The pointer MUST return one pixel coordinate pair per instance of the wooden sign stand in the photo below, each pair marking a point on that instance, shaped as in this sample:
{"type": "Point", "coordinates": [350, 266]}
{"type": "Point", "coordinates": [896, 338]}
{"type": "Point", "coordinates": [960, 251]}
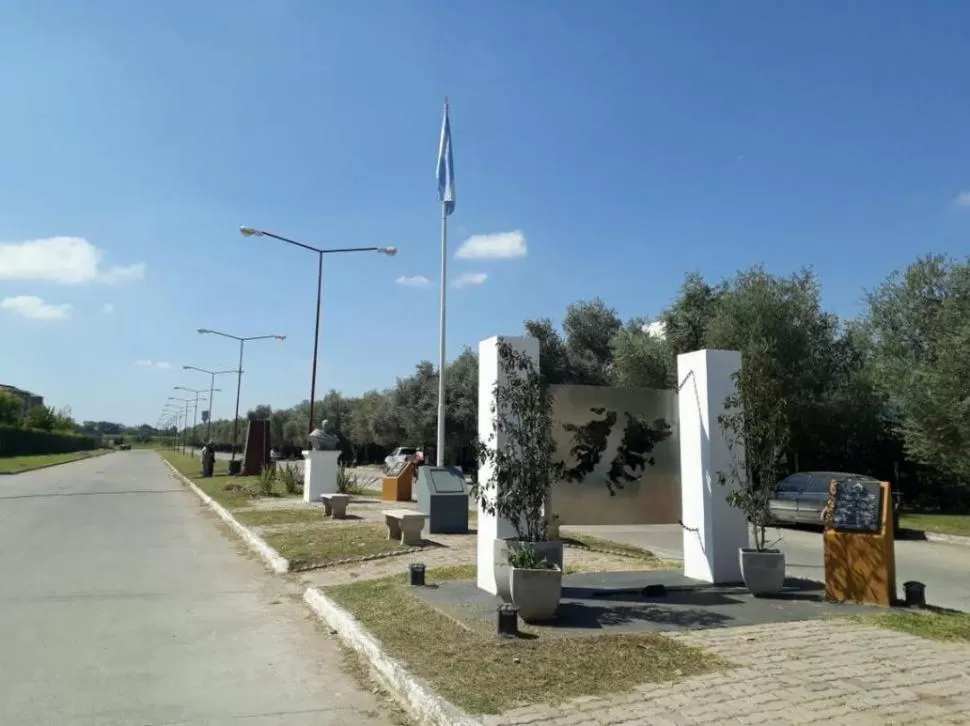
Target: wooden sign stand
{"type": "Point", "coordinates": [860, 560]}
{"type": "Point", "coordinates": [397, 487]}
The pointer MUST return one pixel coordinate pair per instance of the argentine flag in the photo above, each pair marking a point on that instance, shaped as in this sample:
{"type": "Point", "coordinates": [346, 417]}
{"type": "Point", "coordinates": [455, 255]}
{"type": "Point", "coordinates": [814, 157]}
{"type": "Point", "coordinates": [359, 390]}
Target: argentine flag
{"type": "Point", "coordinates": [445, 168]}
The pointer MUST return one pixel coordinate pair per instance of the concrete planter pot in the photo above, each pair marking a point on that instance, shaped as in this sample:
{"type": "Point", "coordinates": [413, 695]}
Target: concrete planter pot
{"type": "Point", "coordinates": [550, 550]}
{"type": "Point", "coordinates": [763, 572]}
{"type": "Point", "coordinates": [536, 593]}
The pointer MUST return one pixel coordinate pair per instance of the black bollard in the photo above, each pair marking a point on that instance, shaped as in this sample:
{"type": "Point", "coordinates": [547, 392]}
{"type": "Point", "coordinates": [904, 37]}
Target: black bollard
{"type": "Point", "coordinates": [915, 594]}
{"type": "Point", "coordinates": [508, 621]}
{"type": "Point", "coordinates": [417, 574]}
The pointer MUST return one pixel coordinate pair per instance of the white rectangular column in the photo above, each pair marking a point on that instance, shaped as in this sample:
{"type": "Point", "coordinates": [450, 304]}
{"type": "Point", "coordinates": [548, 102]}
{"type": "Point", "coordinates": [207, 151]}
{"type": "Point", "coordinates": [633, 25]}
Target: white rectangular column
{"type": "Point", "coordinates": [714, 530]}
{"type": "Point", "coordinates": [491, 527]}
{"type": "Point", "coordinates": [319, 474]}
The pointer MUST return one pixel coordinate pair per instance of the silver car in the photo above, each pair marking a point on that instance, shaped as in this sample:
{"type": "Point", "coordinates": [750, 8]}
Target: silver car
{"type": "Point", "coordinates": [800, 498]}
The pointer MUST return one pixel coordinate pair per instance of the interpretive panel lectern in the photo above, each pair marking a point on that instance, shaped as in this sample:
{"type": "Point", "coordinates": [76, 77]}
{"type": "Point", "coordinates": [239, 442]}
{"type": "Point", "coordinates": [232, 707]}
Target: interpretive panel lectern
{"type": "Point", "coordinates": [396, 484]}
{"type": "Point", "coordinates": [860, 555]}
{"type": "Point", "coordinates": [443, 496]}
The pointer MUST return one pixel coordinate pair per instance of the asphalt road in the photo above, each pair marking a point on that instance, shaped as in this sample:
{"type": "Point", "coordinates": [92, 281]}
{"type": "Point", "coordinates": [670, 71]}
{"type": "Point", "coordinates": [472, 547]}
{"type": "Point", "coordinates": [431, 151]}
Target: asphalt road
{"type": "Point", "coordinates": [944, 568]}
{"type": "Point", "coordinates": [123, 603]}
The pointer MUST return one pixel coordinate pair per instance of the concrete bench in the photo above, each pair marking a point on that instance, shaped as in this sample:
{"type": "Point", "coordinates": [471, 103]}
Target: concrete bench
{"type": "Point", "coordinates": [404, 524]}
{"type": "Point", "coordinates": [335, 505]}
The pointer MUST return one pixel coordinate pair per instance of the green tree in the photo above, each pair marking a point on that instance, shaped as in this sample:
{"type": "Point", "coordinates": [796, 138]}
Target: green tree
{"type": "Point", "coordinates": [11, 409]}
{"type": "Point", "coordinates": [642, 360]}
{"type": "Point", "coordinates": [553, 358]}
{"type": "Point", "coordinates": [761, 314]}
{"type": "Point", "coordinates": [590, 326]}
{"type": "Point", "coordinates": [461, 383]}
{"type": "Point", "coordinates": [41, 417]}
{"type": "Point", "coordinates": [920, 325]}
{"type": "Point", "coordinates": [688, 319]}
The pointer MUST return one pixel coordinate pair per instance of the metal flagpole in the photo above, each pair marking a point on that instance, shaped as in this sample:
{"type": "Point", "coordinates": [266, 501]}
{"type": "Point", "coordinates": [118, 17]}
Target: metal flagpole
{"type": "Point", "coordinates": [440, 456]}
{"type": "Point", "coordinates": [446, 194]}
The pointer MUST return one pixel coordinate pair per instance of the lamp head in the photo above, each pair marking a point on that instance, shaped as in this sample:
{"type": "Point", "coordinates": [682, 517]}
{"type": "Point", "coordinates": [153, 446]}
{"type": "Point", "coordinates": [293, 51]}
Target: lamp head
{"type": "Point", "coordinates": [389, 251]}
{"type": "Point", "coordinates": [250, 232]}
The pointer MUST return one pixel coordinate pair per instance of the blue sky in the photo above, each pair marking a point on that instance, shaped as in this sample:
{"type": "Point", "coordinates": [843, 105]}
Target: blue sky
{"type": "Point", "coordinates": [626, 143]}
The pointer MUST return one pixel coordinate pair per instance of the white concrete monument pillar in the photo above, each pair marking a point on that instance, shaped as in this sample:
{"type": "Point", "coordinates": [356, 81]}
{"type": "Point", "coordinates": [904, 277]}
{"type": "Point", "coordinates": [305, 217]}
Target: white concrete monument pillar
{"type": "Point", "coordinates": [491, 527]}
{"type": "Point", "coordinates": [714, 530]}
{"type": "Point", "coordinates": [319, 474]}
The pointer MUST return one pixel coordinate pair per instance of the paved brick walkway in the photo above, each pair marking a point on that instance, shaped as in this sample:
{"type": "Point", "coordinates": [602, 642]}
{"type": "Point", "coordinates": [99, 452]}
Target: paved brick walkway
{"type": "Point", "coordinates": [810, 672]}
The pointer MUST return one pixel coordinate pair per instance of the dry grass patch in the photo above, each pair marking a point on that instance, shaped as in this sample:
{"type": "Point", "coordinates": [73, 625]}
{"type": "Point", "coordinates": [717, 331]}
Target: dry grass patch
{"type": "Point", "coordinates": [232, 492]}
{"type": "Point", "coordinates": [933, 623]}
{"type": "Point", "coordinates": [627, 550]}
{"type": "Point", "coordinates": [324, 543]}
{"type": "Point", "coordinates": [486, 674]}
{"type": "Point", "coordinates": [272, 517]}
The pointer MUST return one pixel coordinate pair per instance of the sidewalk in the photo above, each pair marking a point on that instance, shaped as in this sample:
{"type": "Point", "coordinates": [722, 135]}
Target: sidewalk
{"type": "Point", "coordinates": [810, 672]}
{"type": "Point", "coordinates": [941, 566]}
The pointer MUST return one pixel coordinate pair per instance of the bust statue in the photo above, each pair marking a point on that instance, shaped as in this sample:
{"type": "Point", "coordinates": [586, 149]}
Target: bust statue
{"type": "Point", "coordinates": [322, 439]}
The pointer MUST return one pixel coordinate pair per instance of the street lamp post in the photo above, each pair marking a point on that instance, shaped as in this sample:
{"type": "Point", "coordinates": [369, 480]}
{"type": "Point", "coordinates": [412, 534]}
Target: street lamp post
{"type": "Point", "coordinates": [173, 412]}
{"type": "Point", "coordinates": [242, 341]}
{"type": "Point", "coordinates": [185, 419]}
{"type": "Point", "coordinates": [195, 411]}
{"type": "Point", "coordinates": [389, 251]}
{"type": "Point", "coordinates": [212, 389]}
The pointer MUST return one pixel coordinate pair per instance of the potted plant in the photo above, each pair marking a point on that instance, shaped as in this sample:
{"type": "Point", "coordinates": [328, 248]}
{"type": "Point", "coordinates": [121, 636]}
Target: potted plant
{"type": "Point", "coordinates": [755, 426]}
{"type": "Point", "coordinates": [528, 566]}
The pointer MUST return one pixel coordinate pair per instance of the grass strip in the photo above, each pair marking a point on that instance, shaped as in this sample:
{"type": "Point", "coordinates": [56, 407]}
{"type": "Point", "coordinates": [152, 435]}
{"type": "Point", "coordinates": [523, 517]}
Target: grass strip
{"type": "Point", "coordinates": [484, 674]}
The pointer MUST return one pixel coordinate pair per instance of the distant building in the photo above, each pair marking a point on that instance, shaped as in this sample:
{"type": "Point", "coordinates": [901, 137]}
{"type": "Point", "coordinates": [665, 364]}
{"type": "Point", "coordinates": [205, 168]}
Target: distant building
{"type": "Point", "coordinates": [656, 329]}
{"type": "Point", "coordinates": [28, 400]}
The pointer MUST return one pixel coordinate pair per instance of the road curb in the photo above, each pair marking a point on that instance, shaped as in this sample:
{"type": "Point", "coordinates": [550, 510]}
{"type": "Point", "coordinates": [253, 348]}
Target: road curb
{"type": "Point", "coordinates": [274, 560]}
{"type": "Point", "coordinates": [428, 708]}
{"type": "Point", "coordinates": [56, 463]}
{"type": "Point", "coordinates": [947, 538]}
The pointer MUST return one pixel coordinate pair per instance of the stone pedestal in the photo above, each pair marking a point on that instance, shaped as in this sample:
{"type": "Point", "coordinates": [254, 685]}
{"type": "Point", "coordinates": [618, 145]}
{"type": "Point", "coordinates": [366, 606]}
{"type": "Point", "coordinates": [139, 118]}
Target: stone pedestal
{"type": "Point", "coordinates": [491, 527]}
{"type": "Point", "coordinates": [714, 530]}
{"type": "Point", "coordinates": [256, 453]}
{"type": "Point", "coordinates": [319, 474]}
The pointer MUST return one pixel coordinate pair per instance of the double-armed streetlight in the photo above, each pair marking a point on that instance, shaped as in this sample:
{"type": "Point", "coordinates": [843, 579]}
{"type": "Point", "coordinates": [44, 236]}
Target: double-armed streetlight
{"type": "Point", "coordinates": [174, 413]}
{"type": "Point", "coordinates": [185, 417]}
{"type": "Point", "coordinates": [195, 410]}
{"type": "Point", "coordinates": [212, 382]}
{"type": "Point", "coordinates": [388, 251]}
{"type": "Point", "coordinates": [239, 371]}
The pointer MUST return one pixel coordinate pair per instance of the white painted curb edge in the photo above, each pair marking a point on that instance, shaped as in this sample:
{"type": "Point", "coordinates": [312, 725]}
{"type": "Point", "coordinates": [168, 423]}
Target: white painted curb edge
{"type": "Point", "coordinates": [947, 538]}
{"type": "Point", "coordinates": [428, 707]}
{"type": "Point", "coordinates": [277, 563]}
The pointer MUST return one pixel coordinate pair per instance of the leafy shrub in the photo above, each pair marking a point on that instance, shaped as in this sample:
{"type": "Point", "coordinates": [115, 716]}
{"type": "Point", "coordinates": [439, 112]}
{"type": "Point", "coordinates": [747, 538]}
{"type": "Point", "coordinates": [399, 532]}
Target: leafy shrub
{"type": "Point", "coordinates": [290, 479]}
{"type": "Point", "coordinates": [525, 558]}
{"type": "Point", "coordinates": [348, 483]}
{"type": "Point", "coordinates": [267, 481]}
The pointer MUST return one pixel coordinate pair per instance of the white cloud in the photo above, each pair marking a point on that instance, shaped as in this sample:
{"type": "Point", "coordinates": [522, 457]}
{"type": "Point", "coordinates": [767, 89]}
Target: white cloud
{"type": "Point", "coordinates": [164, 365]}
{"type": "Point", "coordinates": [127, 273]}
{"type": "Point", "coordinates": [108, 308]}
{"type": "Point", "coordinates": [67, 260]}
{"type": "Point", "coordinates": [498, 246]}
{"type": "Point", "coordinates": [467, 279]}
{"type": "Point", "coordinates": [413, 281]}
{"type": "Point", "coordinates": [963, 200]}
{"type": "Point", "coordinates": [35, 308]}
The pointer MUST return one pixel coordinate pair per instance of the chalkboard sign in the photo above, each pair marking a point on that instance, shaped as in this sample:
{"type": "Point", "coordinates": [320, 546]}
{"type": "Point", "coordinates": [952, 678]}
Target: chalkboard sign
{"type": "Point", "coordinates": [858, 506]}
